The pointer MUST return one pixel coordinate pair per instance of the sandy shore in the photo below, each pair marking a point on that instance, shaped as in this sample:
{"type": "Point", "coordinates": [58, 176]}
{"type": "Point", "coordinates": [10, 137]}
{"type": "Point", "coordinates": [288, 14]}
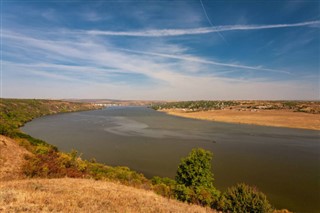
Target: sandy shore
{"type": "Point", "coordinates": [277, 118]}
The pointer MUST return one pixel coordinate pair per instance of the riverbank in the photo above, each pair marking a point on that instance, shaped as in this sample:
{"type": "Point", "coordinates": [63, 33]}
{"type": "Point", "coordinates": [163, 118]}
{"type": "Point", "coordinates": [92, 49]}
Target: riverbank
{"type": "Point", "coordinates": [276, 118]}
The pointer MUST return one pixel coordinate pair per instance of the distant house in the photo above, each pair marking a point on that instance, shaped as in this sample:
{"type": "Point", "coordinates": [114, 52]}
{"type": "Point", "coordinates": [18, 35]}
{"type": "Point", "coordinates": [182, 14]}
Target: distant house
{"type": "Point", "coordinates": [262, 107]}
{"type": "Point", "coordinates": [101, 105]}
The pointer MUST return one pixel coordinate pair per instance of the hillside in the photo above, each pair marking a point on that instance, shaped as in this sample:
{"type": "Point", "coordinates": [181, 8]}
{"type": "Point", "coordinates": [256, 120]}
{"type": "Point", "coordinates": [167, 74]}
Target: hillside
{"type": "Point", "coordinates": [16, 112]}
{"type": "Point", "coordinates": [84, 195]}
{"type": "Point", "coordinates": [72, 195]}
{"type": "Point", "coordinates": [11, 159]}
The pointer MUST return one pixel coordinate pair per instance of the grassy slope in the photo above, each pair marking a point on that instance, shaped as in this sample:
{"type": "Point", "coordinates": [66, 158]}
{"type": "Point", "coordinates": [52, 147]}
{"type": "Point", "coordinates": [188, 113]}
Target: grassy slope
{"type": "Point", "coordinates": [16, 112]}
{"type": "Point", "coordinates": [83, 195]}
{"type": "Point", "coordinates": [11, 159]}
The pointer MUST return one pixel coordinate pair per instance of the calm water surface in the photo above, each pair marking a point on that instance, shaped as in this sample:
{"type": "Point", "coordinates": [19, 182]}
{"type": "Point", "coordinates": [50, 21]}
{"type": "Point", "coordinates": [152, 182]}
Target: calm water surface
{"type": "Point", "coordinates": [281, 162]}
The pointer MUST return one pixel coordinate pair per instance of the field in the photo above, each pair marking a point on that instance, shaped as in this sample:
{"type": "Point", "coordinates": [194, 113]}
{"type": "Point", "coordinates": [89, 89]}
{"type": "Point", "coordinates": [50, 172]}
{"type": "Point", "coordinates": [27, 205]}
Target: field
{"type": "Point", "coordinates": [293, 114]}
{"type": "Point", "coordinates": [277, 118]}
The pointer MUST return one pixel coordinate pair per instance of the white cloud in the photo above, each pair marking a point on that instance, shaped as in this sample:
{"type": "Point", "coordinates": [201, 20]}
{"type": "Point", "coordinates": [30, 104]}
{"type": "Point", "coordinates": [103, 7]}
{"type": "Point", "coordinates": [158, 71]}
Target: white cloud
{"type": "Point", "coordinates": [195, 31]}
{"type": "Point", "coordinates": [204, 61]}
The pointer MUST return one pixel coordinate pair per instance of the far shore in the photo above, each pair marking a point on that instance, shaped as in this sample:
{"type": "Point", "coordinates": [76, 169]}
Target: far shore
{"type": "Point", "coordinates": [276, 118]}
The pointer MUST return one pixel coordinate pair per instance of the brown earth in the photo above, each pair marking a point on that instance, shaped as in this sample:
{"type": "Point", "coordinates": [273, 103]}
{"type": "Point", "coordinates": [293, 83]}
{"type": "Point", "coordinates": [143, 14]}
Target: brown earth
{"type": "Point", "coordinates": [277, 118]}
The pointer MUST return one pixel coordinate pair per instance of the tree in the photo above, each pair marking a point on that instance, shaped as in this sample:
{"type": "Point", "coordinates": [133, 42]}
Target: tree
{"type": "Point", "coordinates": [195, 170]}
{"type": "Point", "coordinates": [195, 179]}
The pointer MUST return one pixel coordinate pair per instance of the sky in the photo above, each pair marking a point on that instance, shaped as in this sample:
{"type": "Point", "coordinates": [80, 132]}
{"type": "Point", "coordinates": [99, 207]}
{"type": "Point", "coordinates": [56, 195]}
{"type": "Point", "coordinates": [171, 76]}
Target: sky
{"type": "Point", "coordinates": [160, 49]}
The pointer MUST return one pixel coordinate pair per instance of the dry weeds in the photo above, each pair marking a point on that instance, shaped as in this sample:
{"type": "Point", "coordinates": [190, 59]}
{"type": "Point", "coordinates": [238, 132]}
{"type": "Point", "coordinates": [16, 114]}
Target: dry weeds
{"type": "Point", "coordinates": [83, 195]}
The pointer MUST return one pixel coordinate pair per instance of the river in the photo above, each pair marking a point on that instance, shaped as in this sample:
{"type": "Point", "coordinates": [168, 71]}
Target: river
{"type": "Point", "coordinates": [281, 162]}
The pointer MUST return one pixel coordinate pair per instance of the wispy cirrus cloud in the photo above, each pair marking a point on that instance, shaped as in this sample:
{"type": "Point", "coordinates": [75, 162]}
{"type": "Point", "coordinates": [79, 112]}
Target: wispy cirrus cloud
{"type": "Point", "coordinates": [204, 61]}
{"type": "Point", "coordinates": [122, 59]}
{"type": "Point", "coordinates": [195, 31]}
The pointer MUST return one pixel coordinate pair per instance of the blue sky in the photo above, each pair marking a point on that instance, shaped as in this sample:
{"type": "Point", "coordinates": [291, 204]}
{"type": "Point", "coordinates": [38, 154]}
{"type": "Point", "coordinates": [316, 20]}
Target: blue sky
{"type": "Point", "coordinates": [168, 50]}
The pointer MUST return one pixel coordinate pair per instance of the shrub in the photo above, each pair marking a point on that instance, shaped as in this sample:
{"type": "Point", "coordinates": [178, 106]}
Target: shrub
{"type": "Point", "coordinates": [42, 149]}
{"type": "Point", "coordinates": [184, 193]}
{"type": "Point", "coordinates": [206, 196]}
{"type": "Point", "coordinates": [164, 186]}
{"type": "Point", "coordinates": [121, 174]}
{"type": "Point", "coordinates": [163, 190]}
{"type": "Point", "coordinates": [7, 130]}
{"type": "Point", "coordinates": [243, 198]}
{"type": "Point", "coordinates": [159, 180]}
{"type": "Point", "coordinates": [52, 164]}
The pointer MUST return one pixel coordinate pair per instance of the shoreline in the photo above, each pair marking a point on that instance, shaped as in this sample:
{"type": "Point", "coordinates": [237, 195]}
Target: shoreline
{"type": "Point", "coordinates": [273, 118]}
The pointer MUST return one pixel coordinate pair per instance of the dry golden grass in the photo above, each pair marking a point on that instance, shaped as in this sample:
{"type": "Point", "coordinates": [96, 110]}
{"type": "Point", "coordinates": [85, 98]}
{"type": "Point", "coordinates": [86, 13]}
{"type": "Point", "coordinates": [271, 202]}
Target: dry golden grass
{"type": "Point", "coordinates": [72, 195]}
{"type": "Point", "coordinates": [83, 195]}
{"type": "Point", "coordinates": [277, 118]}
{"type": "Point", "coordinates": [11, 159]}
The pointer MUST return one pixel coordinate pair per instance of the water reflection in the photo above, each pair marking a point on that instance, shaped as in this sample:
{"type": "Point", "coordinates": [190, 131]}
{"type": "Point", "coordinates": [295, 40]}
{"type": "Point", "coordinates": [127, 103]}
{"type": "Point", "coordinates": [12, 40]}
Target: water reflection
{"type": "Point", "coordinates": [128, 127]}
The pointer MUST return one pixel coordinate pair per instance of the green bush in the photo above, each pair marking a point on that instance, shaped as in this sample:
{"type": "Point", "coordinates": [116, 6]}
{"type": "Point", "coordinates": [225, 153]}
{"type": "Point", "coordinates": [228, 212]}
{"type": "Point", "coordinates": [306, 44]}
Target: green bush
{"type": "Point", "coordinates": [163, 190]}
{"type": "Point", "coordinates": [42, 149]}
{"type": "Point", "coordinates": [206, 196]}
{"type": "Point", "coordinates": [121, 174]}
{"type": "Point", "coordinates": [243, 198]}
{"type": "Point", "coordinates": [159, 180]}
{"type": "Point", "coordinates": [164, 186]}
{"type": "Point", "coordinates": [7, 130]}
{"type": "Point", "coordinates": [184, 193]}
